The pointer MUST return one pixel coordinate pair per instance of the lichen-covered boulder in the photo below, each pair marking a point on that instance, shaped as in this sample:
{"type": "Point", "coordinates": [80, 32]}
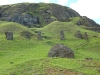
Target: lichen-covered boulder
{"type": "Point", "coordinates": [61, 51]}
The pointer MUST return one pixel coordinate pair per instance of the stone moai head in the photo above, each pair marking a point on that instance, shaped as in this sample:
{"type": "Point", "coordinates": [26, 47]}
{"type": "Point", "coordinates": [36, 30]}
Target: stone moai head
{"type": "Point", "coordinates": [9, 35]}
{"type": "Point", "coordinates": [62, 36]}
{"type": "Point", "coordinates": [26, 34]}
{"type": "Point", "coordinates": [85, 36]}
{"type": "Point", "coordinates": [39, 35]}
{"type": "Point", "coordinates": [79, 35]}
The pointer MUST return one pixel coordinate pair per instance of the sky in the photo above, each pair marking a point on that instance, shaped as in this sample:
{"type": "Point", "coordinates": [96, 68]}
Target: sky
{"type": "Point", "coordinates": [89, 8]}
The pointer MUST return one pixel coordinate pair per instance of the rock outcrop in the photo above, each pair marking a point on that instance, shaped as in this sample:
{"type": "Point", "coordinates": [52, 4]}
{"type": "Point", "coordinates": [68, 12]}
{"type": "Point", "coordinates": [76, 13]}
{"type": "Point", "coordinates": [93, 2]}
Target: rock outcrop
{"type": "Point", "coordinates": [41, 14]}
{"type": "Point", "coordinates": [36, 14]}
{"type": "Point", "coordinates": [87, 22]}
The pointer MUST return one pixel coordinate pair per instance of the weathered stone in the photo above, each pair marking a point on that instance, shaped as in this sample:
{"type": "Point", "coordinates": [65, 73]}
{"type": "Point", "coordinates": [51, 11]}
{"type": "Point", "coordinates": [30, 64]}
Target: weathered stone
{"type": "Point", "coordinates": [26, 34]}
{"type": "Point", "coordinates": [33, 14]}
{"type": "Point", "coordinates": [62, 51]}
{"type": "Point", "coordinates": [9, 35]}
{"type": "Point", "coordinates": [25, 19]}
{"type": "Point", "coordinates": [78, 35]}
{"type": "Point", "coordinates": [62, 36]}
{"type": "Point", "coordinates": [85, 36]}
{"type": "Point", "coordinates": [63, 14]}
{"type": "Point", "coordinates": [83, 20]}
{"type": "Point", "coordinates": [39, 35]}
{"type": "Point", "coordinates": [29, 14]}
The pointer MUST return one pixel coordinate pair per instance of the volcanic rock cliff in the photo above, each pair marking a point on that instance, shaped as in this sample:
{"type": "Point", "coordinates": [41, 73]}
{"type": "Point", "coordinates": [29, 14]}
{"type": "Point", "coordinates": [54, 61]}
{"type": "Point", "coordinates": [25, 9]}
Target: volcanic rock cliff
{"type": "Point", "coordinates": [38, 14]}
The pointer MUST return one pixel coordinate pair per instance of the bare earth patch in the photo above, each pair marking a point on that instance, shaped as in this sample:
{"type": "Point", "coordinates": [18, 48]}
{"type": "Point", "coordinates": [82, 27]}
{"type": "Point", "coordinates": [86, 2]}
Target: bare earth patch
{"type": "Point", "coordinates": [58, 71]}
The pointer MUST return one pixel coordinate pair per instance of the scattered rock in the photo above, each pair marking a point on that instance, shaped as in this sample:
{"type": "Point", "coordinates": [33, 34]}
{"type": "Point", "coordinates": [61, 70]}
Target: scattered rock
{"type": "Point", "coordinates": [62, 51]}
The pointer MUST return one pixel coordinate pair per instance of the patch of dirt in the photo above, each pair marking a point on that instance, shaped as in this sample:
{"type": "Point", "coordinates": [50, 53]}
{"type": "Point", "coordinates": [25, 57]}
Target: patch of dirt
{"type": "Point", "coordinates": [99, 71]}
{"type": "Point", "coordinates": [58, 71]}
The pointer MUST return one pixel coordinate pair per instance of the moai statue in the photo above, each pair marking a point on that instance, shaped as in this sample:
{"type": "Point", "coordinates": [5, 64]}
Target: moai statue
{"type": "Point", "coordinates": [9, 35]}
{"type": "Point", "coordinates": [62, 36]}
{"type": "Point", "coordinates": [85, 36]}
{"type": "Point", "coordinates": [26, 34]}
{"type": "Point", "coordinates": [39, 35]}
{"type": "Point", "coordinates": [79, 35]}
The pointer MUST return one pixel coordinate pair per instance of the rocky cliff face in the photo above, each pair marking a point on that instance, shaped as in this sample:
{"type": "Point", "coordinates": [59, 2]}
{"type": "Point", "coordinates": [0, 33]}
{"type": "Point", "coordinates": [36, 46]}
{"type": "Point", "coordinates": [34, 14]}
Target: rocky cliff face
{"type": "Point", "coordinates": [83, 20]}
{"type": "Point", "coordinates": [37, 14]}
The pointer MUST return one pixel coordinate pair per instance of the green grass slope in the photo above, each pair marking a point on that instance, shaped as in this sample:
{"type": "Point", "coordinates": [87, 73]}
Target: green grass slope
{"type": "Point", "coordinates": [69, 28]}
{"type": "Point", "coordinates": [29, 57]}
{"type": "Point", "coordinates": [16, 28]}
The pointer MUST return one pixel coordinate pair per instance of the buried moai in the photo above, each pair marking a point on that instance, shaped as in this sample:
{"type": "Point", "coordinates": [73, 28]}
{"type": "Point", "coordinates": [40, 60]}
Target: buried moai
{"type": "Point", "coordinates": [26, 34]}
{"type": "Point", "coordinates": [78, 35]}
{"type": "Point", "coordinates": [82, 36]}
{"type": "Point", "coordinates": [62, 36]}
{"type": "Point", "coordinates": [9, 35]}
{"type": "Point", "coordinates": [85, 36]}
{"type": "Point", "coordinates": [39, 35]}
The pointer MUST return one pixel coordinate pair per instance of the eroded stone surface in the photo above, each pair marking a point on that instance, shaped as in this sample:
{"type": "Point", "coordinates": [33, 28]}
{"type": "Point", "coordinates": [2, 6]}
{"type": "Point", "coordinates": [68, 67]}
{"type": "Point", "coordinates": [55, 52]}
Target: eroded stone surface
{"type": "Point", "coordinates": [62, 51]}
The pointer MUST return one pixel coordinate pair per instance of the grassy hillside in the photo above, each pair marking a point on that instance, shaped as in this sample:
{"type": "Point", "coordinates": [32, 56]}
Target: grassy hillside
{"type": "Point", "coordinates": [16, 28]}
{"type": "Point", "coordinates": [29, 57]}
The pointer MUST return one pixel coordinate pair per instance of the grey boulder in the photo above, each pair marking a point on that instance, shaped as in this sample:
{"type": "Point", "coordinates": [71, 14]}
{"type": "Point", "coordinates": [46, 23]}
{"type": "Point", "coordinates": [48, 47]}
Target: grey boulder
{"type": "Point", "coordinates": [61, 51]}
